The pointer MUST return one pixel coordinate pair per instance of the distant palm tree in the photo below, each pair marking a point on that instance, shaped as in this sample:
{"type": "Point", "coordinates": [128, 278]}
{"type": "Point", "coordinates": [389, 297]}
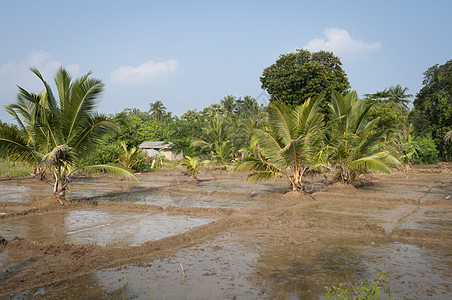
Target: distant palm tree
{"type": "Point", "coordinates": [157, 110]}
{"type": "Point", "coordinates": [248, 106]}
{"type": "Point", "coordinates": [352, 139]}
{"type": "Point", "coordinates": [229, 105]}
{"type": "Point", "coordinates": [291, 146]}
{"type": "Point", "coordinates": [191, 116]}
{"type": "Point", "coordinates": [398, 95]}
{"type": "Point", "coordinates": [53, 133]}
{"type": "Point", "coordinates": [215, 139]}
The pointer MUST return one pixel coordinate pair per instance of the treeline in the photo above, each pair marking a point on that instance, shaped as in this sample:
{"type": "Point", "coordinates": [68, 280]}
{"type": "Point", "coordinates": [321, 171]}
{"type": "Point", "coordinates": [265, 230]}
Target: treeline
{"type": "Point", "coordinates": [380, 130]}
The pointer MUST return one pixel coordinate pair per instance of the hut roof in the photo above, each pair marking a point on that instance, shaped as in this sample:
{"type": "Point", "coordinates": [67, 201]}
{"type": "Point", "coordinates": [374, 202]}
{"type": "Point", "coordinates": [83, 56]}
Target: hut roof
{"type": "Point", "coordinates": [154, 145]}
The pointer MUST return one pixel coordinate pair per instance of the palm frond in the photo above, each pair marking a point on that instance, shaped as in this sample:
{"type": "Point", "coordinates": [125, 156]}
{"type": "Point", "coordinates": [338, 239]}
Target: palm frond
{"type": "Point", "coordinates": [83, 99]}
{"type": "Point", "coordinates": [15, 147]}
{"type": "Point", "coordinates": [379, 162]}
{"type": "Point", "coordinates": [90, 132]}
{"type": "Point", "coordinates": [281, 121]}
{"type": "Point", "coordinates": [115, 170]}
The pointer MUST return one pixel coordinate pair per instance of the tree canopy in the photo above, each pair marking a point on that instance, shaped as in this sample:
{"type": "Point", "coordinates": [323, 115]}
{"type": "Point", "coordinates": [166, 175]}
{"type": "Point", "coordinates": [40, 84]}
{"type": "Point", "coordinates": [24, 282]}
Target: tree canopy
{"type": "Point", "coordinates": [432, 111]}
{"type": "Point", "coordinates": [300, 75]}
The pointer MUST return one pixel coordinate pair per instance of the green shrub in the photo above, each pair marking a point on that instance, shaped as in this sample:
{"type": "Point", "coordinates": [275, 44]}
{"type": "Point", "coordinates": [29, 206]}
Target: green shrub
{"type": "Point", "coordinates": [427, 152]}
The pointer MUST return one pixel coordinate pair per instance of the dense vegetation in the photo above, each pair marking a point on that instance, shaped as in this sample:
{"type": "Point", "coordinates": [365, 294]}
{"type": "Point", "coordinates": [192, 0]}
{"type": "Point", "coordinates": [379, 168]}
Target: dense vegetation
{"type": "Point", "coordinates": [312, 124]}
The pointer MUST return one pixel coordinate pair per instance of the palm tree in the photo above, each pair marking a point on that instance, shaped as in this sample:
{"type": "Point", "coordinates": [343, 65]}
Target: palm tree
{"type": "Point", "coordinates": [229, 105]}
{"type": "Point", "coordinates": [216, 135]}
{"type": "Point", "coordinates": [52, 134]}
{"type": "Point", "coordinates": [157, 110]}
{"type": "Point", "coordinates": [351, 139]}
{"type": "Point", "coordinates": [129, 158]}
{"type": "Point", "coordinates": [248, 106]}
{"type": "Point", "coordinates": [398, 95]}
{"type": "Point", "coordinates": [291, 146]}
{"type": "Point", "coordinates": [192, 165]}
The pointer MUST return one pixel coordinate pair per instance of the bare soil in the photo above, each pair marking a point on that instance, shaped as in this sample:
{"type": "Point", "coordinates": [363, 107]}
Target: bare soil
{"type": "Point", "coordinates": [254, 241]}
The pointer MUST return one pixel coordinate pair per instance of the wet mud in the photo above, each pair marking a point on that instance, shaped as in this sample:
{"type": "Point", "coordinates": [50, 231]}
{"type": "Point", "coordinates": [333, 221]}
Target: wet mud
{"type": "Point", "coordinates": [223, 238]}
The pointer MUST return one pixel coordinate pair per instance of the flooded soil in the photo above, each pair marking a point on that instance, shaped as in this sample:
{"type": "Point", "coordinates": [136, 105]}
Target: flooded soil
{"type": "Point", "coordinates": [224, 238]}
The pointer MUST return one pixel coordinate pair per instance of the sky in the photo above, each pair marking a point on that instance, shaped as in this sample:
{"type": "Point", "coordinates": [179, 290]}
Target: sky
{"type": "Point", "coordinates": [190, 54]}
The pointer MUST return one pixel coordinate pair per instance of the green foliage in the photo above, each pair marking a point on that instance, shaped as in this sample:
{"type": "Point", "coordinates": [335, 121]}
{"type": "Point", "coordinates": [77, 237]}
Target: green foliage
{"type": "Point", "coordinates": [352, 139]}
{"type": "Point", "coordinates": [395, 94]}
{"type": "Point", "coordinates": [192, 165]}
{"type": "Point", "coordinates": [362, 291]}
{"type": "Point", "coordinates": [290, 147]}
{"type": "Point", "coordinates": [300, 75]}
{"type": "Point", "coordinates": [130, 157]}
{"type": "Point", "coordinates": [426, 150]}
{"type": "Point", "coordinates": [12, 169]}
{"type": "Point", "coordinates": [157, 110]}
{"type": "Point", "coordinates": [432, 111]}
{"type": "Point", "coordinates": [53, 133]}
{"type": "Point", "coordinates": [215, 140]}
{"type": "Point", "coordinates": [390, 117]}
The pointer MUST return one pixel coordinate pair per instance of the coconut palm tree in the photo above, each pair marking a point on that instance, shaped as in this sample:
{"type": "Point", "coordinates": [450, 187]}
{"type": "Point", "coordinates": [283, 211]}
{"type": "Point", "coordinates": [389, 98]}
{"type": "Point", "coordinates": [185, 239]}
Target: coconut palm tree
{"type": "Point", "coordinates": [192, 165]}
{"type": "Point", "coordinates": [53, 133]}
{"type": "Point", "coordinates": [247, 107]}
{"type": "Point", "coordinates": [229, 105]}
{"type": "Point", "coordinates": [157, 110]}
{"type": "Point", "coordinates": [398, 95]}
{"type": "Point", "coordinates": [216, 134]}
{"type": "Point", "coordinates": [351, 139]}
{"type": "Point", "coordinates": [130, 157]}
{"type": "Point", "coordinates": [291, 145]}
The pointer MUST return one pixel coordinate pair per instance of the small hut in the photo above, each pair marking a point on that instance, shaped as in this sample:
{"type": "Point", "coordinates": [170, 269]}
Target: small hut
{"type": "Point", "coordinates": [160, 148]}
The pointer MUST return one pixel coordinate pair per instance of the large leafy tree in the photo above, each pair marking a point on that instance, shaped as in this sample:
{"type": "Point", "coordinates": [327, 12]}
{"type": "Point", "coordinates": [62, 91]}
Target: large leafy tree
{"type": "Point", "coordinates": [300, 75]}
{"type": "Point", "coordinates": [54, 132]}
{"type": "Point", "coordinates": [352, 139]}
{"type": "Point", "coordinates": [432, 111]}
{"type": "Point", "coordinates": [291, 145]}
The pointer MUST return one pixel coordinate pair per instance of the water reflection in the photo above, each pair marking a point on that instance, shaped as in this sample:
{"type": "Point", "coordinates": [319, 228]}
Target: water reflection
{"type": "Point", "coordinates": [99, 227]}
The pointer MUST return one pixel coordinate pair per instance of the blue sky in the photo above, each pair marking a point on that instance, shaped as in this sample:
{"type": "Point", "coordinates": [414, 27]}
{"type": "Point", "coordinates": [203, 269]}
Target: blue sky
{"type": "Point", "coordinates": [190, 54]}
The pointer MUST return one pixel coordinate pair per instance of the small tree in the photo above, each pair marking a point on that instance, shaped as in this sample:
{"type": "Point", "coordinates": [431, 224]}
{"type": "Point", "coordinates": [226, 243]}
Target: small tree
{"type": "Point", "coordinates": [53, 133]}
{"type": "Point", "coordinates": [352, 139]}
{"type": "Point", "coordinates": [192, 165]}
{"type": "Point", "coordinates": [290, 147]}
{"type": "Point", "coordinates": [129, 158]}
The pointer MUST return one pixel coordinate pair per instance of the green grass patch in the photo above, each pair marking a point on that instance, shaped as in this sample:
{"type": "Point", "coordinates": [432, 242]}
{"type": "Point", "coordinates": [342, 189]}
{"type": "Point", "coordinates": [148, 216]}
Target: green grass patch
{"type": "Point", "coordinates": [10, 169]}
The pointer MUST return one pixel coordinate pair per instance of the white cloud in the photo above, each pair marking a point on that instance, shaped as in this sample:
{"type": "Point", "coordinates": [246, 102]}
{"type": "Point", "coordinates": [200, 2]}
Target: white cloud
{"type": "Point", "coordinates": [339, 41]}
{"type": "Point", "coordinates": [148, 72]}
{"type": "Point", "coordinates": [12, 73]}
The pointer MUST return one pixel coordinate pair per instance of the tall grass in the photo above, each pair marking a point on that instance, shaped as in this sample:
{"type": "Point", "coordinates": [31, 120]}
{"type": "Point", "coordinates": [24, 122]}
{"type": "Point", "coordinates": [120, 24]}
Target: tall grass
{"type": "Point", "coordinates": [9, 169]}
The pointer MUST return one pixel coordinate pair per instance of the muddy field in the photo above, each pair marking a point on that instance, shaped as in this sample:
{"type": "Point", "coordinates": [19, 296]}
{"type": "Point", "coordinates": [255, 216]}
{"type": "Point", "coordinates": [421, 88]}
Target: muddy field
{"type": "Point", "coordinates": [170, 238]}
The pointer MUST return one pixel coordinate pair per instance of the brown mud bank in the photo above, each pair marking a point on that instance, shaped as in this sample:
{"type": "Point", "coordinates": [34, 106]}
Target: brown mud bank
{"type": "Point", "coordinates": [175, 239]}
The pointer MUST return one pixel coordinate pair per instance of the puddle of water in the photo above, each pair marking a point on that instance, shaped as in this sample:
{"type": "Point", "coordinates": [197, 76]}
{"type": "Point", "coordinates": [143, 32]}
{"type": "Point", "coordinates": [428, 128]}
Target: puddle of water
{"type": "Point", "coordinates": [243, 187]}
{"type": "Point", "coordinates": [415, 271]}
{"type": "Point", "coordinates": [167, 198]}
{"type": "Point", "coordinates": [99, 227]}
{"type": "Point", "coordinates": [232, 267]}
{"type": "Point", "coordinates": [215, 270]}
{"type": "Point", "coordinates": [25, 191]}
